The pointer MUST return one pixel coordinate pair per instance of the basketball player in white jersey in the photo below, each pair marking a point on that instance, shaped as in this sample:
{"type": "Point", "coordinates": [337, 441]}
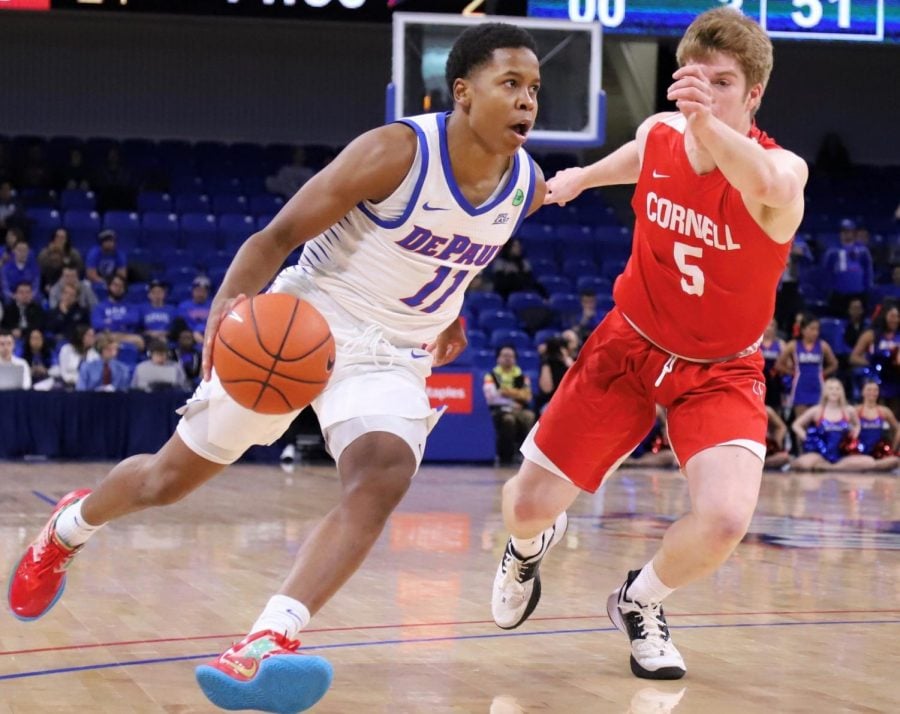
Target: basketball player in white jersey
{"type": "Point", "coordinates": [394, 229]}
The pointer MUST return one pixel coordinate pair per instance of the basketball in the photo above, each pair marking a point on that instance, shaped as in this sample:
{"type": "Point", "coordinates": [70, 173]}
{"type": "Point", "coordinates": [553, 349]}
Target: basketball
{"type": "Point", "coordinates": [273, 353]}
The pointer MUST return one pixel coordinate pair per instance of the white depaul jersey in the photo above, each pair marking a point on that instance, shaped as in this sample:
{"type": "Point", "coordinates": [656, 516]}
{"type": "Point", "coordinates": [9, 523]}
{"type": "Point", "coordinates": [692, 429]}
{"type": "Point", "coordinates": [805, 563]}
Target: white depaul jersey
{"type": "Point", "coordinates": [405, 262]}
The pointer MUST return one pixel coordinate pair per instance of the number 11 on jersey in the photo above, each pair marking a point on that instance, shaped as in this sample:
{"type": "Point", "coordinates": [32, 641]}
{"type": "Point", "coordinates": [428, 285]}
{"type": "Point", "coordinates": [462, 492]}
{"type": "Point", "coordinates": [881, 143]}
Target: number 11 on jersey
{"type": "Point", "coordinates": [440, 275]}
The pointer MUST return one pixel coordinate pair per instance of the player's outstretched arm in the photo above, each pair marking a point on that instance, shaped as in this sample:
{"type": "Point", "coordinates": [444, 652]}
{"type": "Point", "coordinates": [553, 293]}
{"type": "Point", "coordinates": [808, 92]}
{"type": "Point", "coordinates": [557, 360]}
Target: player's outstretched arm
{"type": "Point", "coordinates": [622, 166]}
{"type": "Point", "coordinates": [370, 168]}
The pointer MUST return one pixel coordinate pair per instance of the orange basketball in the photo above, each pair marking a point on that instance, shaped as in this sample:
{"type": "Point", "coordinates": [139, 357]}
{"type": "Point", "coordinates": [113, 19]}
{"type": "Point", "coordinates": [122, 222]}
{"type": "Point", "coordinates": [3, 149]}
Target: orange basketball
{"type": "Point", "coordinates": [274, 353]}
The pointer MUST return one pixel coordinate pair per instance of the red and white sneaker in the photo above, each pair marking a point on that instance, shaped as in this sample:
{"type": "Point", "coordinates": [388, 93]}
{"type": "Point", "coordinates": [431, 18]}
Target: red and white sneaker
{"type": "Point", "coordinates": [265, 672]}
{"type": "Point", "coordinates": [40, 576]}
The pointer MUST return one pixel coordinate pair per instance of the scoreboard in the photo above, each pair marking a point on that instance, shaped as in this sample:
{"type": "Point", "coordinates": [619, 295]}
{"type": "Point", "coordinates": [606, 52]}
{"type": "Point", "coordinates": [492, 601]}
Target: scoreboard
{"type": "Point", "coordinates": [849, 20]}
{"type": "Point", "coordinates": [876, 21]}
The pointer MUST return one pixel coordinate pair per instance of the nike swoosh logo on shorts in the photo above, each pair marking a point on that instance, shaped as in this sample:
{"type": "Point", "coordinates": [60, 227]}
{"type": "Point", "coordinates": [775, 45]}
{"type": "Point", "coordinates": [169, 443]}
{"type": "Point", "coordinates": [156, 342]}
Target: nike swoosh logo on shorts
{"type": "Point", "coordinates": [418, 355]}
{"type": "Point", "coordinates": [433, 208]}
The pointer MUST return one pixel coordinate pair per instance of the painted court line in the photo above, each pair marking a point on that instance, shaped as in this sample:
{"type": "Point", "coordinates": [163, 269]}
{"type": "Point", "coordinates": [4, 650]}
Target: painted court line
{"type": "Point", "coordinates": [427, 640]}
{"type": "Point", "coordinates": [452, 623]}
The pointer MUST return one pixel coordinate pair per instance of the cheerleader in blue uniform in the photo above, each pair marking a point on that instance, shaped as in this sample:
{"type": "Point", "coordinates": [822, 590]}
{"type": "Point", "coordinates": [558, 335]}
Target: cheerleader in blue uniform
{"type": "Point", "coordinates": [829, 433]}
{"type": "Point", "coordinates": [810, 359]}
{"type": "Point", "coordinates": [879, 350]}
{"type": "Point", "coordinates": [878, 432]}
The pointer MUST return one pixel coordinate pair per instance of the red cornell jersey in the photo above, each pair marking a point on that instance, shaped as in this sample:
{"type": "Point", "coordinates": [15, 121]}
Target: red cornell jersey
{"type": "Point", "coordinates": [702, 275]}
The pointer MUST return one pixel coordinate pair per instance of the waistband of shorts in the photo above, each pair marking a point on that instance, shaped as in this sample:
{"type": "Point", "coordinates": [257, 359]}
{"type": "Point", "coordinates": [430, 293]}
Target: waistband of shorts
{"type": "Point", "coordinates": [738, 355]}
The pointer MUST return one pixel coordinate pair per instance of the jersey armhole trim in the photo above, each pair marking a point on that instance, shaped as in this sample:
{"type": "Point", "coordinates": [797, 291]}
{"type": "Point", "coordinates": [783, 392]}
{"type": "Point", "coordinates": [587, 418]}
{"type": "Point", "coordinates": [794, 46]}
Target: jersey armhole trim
{"type": "Point", "coordinates": [414, 197]}
{"type": "Point", "coordinates": [529, 196]}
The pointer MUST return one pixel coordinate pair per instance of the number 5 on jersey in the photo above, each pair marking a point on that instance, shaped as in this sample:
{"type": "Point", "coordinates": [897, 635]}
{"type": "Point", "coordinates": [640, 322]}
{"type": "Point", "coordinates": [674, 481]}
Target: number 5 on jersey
{"type": "Point", "coordinates": [693, 280]}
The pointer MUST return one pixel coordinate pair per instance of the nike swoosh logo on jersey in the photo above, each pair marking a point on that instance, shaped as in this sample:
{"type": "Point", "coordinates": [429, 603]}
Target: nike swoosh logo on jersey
{"type": "Point", "coordinates": [656, 174]}
{"type": "Point", "coordinates": [433, 208]}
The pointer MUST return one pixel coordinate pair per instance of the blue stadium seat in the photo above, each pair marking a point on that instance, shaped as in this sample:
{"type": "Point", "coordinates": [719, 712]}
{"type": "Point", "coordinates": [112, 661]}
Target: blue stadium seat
{"type": "Point", "coordinates": [542, 336]}
{"type": "Point", "coordinates": [531, 310]}
{"type": "Point", "coordinates": [567, 306]}
{"type": "Point", "coordinates": [234, 229]}
{"type": "Point", "coordinates": [594, 284]}
{"type": "Point", "coordinates": [529, 361]}
{"type": "Point", "coordinates": [157, 201]}
{"type": "Point", "coordinates": [44, 221]}
{"type": "Point", "coordinates": [83, 226]}
{"type": "Point", "coordinates": [543, 266]}
{"type": "Point", "coordinates": [192, 203]}
{"type": "Point", "coordinates": [73, 198]}
{"type": "Point", "coordinates": [520, 300]}
{"type": "Point", "coordinates": [555, 284]}
{"type": "Point", "coordinates": [225, 185]}
{"type": "Point", "coordinates": [479, 302]}
{"type": "Point", "coordinates": [518, 339]}
{"type": "Point", "coordinates": [531, 230]}
{"type": "Point", "coordinates": [484, 359]}
{"type": "Point", "coordinates": [127, 225]}
{"type": "Point", "coordinates": [199, 231]}
{"type": "Point", "coordinates": [186, 183]}
{"type": "Point", "coordinates": [612, 268]}
{"type": "Point", "coordinates": [229, 203]}
{"type": "Point", "coordinates": [576, 267]}
{"type": "Point", "coordinates": [490, 320]}
{"type": "Point", "coordinates": [263, 204]}
{"type": "Point", "coordinates": [160, 231]}
{"type": "Point", "coordinates": [477, 340]}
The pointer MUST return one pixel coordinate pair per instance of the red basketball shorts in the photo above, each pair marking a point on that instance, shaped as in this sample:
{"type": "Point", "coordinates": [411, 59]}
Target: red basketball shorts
{"type": "Point", "coordinates": [605, 405]}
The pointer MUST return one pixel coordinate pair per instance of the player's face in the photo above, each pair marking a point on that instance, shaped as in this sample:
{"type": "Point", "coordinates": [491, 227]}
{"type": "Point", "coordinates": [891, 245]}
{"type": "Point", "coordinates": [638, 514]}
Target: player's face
{"type": "Point", "coordinates": [733, 102]}
{"type": "Point", "coordinates": [500, 98]}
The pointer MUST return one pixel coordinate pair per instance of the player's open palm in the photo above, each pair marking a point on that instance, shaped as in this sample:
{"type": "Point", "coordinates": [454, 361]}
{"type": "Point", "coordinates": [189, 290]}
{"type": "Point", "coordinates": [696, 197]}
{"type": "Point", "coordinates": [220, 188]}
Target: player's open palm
{"type": "Point", "coordinates": [217, 313]}
{"type": "Point", "coordinates": [565, 186]}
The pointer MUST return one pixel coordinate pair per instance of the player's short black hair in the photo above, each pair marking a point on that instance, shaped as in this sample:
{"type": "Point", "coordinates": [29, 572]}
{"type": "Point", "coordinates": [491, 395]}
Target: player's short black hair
{"type": "Point", "coordinates": [476, 45]}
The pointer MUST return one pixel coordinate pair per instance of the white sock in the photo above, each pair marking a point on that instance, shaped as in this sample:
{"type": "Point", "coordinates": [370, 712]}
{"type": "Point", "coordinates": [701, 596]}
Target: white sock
{"type": "Point", "coordinates": [647, 587]}
{"type": "Point", "coordinates": [71, 528]}
{"type": "Point", "coordinates": [283, 614]}
{"type": "Point", "coordinates": [527, 547]}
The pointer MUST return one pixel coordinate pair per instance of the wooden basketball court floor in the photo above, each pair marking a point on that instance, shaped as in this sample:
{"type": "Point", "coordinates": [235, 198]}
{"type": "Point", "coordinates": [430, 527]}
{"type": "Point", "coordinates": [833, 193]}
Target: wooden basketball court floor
{"type": "Point", "coordinates": [804, 618]}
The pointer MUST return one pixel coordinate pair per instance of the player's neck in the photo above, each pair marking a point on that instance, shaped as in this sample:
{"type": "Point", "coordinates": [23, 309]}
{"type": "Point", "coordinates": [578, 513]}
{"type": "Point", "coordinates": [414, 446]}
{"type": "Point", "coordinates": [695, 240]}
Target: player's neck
{"type": "Point", "coordinates": [474, 167]}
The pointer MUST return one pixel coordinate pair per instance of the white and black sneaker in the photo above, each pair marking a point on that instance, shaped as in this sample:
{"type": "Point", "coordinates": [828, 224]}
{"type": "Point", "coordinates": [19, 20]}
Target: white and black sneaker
{"type": "Point", "coordinates": [653, 656]}
{"type": "Point", "coordinates": [517, 585]}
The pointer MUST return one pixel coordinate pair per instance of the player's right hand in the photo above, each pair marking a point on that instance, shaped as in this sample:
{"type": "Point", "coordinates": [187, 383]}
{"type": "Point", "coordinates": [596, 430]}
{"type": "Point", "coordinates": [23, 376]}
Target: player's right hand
{"type": "Point", "coordinates": [217, 313]}
{"type": "Point", "coordinates": [565, 186]}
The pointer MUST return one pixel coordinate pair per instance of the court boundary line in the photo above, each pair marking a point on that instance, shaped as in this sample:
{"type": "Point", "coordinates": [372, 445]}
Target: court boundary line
{"type": "Point", "coordinates": [428, 640]}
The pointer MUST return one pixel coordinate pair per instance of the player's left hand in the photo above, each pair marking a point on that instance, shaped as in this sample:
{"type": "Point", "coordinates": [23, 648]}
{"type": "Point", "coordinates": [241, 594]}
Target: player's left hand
{"type": "Point", "coordinates": [449, 344]}
{"type": "Point", "coordinates": [692, 92]}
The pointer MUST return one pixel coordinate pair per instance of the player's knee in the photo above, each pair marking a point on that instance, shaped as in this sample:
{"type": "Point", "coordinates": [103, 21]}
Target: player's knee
{"type": "Point", "coordinates": [522, 505]}
{"type": "Point", "coordinates": [728, 527]}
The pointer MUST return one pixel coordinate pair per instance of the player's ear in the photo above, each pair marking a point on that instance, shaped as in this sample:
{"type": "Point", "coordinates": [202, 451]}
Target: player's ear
{"type": "Point", "coordinates": [462, 92]}
{"type": "Point", "coordinates": [754, 98]}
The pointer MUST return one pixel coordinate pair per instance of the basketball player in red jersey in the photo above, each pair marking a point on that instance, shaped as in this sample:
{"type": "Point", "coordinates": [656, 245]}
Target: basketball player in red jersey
{"type": "Point", "coordinates": [716, 203]}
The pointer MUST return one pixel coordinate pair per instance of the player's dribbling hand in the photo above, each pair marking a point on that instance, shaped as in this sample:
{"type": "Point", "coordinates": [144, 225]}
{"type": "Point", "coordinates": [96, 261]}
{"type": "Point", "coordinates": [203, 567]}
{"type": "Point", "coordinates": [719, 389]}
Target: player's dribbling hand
{"type": "Point", "coordinates": [217, 313]}
{"type": "Point", "coordinates": [449, 344]}
{"type": "Point", "coordinates": [564, 187]}
{"type": "Point", "coordinates": [691, 92]}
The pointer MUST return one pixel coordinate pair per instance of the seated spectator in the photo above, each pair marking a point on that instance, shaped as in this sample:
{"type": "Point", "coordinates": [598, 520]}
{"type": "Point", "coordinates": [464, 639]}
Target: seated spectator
{"type": "Point", "coordinates": [74, 174]}
{"type": "Point", "coordinates": [106, 374]}
{"type": "Point", "coordinates": [589, 318]}
{"type": "Point", "coordinates": [194, 312]}
{"type": "Point", "coordinates": [22, 313]}
{"type": "Point", "coordinates": [189, 356]}
{"type": "Point", "coordinates": [879, 435]}
{"type": "Point", "coordinates": [891, 291]}
{"type": "Point", "coordinates": [87, 298]}
{"type": "Point", "coordinates": [74, 353]}
{"type": "Point", "coordinates": [856, 323]}
{"type": "Point", "coordinates": [38, 353]}
{"type": "Point", "coordinates": [829, 434]}
{"type": "Point", "coordinates": [57, 253]}
{"type": "Point", "coordinates": [157, 317]}
{"type": "Point", "coordinates": [777, 456]}
{"type": "Point", "coordinates": [511, 272]}
{"type": "Point", "coordinates": [115, 316]}
{"type": "Point", "coordinates": [879, 349]}
{"type": "Point", "coordinates": [290, 177]}
{"type": "Point", "coordinates": [19, 375]}
{"type": "Point", "coordinates": [11, 237]}
{"type": "Point", "coordinates": [62, 320]}
{"type": "Point", "coordinates": [12, 214]}
{"type": "Point", "coordinates": [507, 391]}
{"type": "Point", "coordinates": [158, 373]}
{"type": "Point", "coordinates": [555, 361]}
{"type": "Point", "coordinates": [850, 269]}
{"type": "Point", "coordinates": [105, 260]}
{"type": "Point", "coordinates": [21, 268]}
{"type": "Point", "coordinates": [114, 185]}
